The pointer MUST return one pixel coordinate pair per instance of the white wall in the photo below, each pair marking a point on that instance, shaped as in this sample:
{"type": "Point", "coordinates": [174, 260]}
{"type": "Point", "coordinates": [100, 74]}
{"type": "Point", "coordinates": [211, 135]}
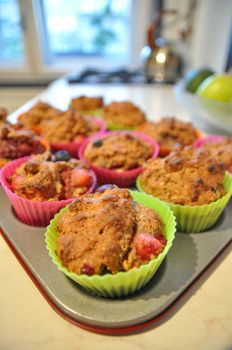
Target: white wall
{"type": "Point", "coordinates": [212, 31]}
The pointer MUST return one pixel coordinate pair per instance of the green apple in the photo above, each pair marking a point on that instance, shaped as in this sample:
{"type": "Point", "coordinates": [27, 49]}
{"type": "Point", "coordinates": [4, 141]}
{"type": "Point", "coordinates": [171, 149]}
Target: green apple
{"type": "Point", "coordinates": [217, 87]}
{"type": "Point", "coordinates": [195, 77]}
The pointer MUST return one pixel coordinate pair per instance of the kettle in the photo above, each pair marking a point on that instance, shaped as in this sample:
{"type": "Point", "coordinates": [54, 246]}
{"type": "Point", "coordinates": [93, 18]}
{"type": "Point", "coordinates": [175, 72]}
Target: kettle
{"type": "Point", "coordinates": [161, 59]}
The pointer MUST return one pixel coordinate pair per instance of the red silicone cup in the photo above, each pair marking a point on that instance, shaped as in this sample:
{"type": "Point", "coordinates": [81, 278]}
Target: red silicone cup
{"type": "Point", "coordinates": [73, 147]}
{"type": "Point", "coordinates": [120, 178]}
{"type": "Point", "coordinates": [28, 211]}
{"type": "Point", "coordinates": [208, 139]}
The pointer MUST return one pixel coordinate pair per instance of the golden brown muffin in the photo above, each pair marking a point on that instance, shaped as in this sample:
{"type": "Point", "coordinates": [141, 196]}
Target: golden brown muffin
{"type": "Point", "coordinates": [121, 151]}
{"type": "Point", "coordinates": [84, 104]}
{"type": "Point", "coordinates": [16, 142]}
{"type": "Point", "coordinates": [67, 127]}
{"type": "Point", "coordinates": [124, 114]}
{"type": "Point", "coordinates": [108, 232]}
{"type": "Point", "coordinates": [187, 177]}
{"type": "Point", "coordinates": [39, 112]}
{"type": "Point", "coordinates": [48, 177]}
{"type": "Point", "coordinates": [3, 115]}
{"type": "Point", "coordinates": [221, 150]}
{"type": "Point", "coordinates": [170, 132]}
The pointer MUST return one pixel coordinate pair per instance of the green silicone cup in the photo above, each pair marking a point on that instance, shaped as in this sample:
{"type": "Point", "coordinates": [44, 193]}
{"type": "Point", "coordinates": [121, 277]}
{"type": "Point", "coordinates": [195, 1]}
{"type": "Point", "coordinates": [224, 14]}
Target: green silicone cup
{"type": "Point", "coordinates": [115, 127]}
{"type": "Point", "coordinates": [199, 218]}
{"type": "Point", "coordinates": [121, 283]}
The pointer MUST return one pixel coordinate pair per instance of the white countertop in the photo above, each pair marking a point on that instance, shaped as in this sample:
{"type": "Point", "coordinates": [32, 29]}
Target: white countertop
{"type": "Point", "coordinates": [202, 319]}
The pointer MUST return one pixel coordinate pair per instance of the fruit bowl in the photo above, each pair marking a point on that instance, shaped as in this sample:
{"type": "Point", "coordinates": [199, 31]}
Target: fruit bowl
{"type": "Point", "coordinates": [218, 114]}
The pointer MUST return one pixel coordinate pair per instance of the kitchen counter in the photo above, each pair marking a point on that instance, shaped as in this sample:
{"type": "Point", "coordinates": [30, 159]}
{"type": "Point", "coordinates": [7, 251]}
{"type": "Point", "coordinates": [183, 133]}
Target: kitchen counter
{"type": "Point", "coordinates": [201, 319]}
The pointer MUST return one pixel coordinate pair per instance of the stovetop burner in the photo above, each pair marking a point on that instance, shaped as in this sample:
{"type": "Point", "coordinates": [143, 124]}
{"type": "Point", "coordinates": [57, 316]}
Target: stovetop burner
{"type": "Point", "coordinates": [120, 76]}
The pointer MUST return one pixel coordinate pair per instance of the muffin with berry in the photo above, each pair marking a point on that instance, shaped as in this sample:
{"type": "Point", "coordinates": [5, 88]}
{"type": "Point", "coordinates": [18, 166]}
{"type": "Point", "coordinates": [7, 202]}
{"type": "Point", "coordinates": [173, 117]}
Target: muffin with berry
{"type": "Point", "coordinates": [117, 157]}
{"type": "Point", "coordinates": [123, 115]}
{"type": "Point", "coordinates": [40, 185]}
{"type": "Point", "coordinates": [17, 142]}
{"type": "Point", "coordinates": [192, 182]}
{"type": "Point", "coordinates": [111, 233]}
{"type": "Point", "coordinates": [170, 133]}
{"type": "Point", "coordinates": [87, 105]}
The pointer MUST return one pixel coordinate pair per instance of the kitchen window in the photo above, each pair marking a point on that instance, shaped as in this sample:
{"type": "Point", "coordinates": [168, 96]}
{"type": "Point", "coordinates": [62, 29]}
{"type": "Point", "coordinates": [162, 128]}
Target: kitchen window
{"type": "Point", "coordinates": [50, 38]}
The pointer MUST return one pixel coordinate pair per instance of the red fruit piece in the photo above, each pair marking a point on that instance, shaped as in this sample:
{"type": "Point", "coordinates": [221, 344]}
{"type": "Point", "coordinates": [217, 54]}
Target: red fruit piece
{"type": "Point", "coordinates": [87, 269]}
{"type": "Point", "coordinates": [147, 246]}
{"type": "Point", "coordinates": [81, 178]}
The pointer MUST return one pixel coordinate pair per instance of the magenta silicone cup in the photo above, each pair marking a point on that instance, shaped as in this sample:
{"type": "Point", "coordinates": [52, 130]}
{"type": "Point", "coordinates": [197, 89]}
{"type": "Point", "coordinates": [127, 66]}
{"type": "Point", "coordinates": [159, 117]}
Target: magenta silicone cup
{"type": "Point", "coordinates": [28, 211]}
{"type": "Point", "coordinates": [73, 147]}
{"type": "Point", "coordinates": [120, 178]}
{"type": "Point", "coordinates": [208, 139]}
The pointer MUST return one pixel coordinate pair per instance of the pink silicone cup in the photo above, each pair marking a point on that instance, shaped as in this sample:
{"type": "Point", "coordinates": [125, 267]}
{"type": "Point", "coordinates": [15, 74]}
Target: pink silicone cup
{"type": "Point", "coordinates": [28, 211]}
{"type": "Point", "coordinates": [72, 147]}
{"type": "Point", "coordinates": [120, 178]}
{"type": "Point", "coordinates": [208, 139]}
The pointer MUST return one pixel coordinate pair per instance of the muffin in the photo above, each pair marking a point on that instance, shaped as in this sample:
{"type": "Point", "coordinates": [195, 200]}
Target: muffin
{"type": "Point", "coordinates": [40, 185]}
{"type": "Point", "coordinates": [170, 133]}
{"type": "Point", "coordinates": [16, 142]}
{"type": "Point", "coordinates": [3, 115]}
{"type": "Point", "coordinates": [51, 177]}
{"type": "Point", "coordinates": [87, 105]}
{"type": "Point", "coordinates": [107, 233]}
{"type": "Point", "coordinates": [41, 111]}
{"type": "Point", "coordinates": [219, 146]}
{"type": "Point", "coordinates": [117, 157]}
{"type": "Point", "coordinates": [111, 242]}
{"type": "Point", "coordinates": [123, 115]}
{"type": "Point", "coordinates": [186, 179]}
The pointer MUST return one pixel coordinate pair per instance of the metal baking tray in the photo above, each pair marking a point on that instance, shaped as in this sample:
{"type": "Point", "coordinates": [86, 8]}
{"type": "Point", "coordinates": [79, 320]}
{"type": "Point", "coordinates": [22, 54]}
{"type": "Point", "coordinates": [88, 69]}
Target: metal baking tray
{"type": "Point", "coordinates": [189, 256]}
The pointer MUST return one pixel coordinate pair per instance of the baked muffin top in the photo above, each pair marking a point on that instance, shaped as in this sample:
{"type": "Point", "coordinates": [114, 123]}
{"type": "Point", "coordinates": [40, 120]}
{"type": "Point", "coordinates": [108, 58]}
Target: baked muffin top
{"type": "Point", "coordinates": [48, 177]}
{"type": "Point", "coordinates": [16, 142]}
{"type": "Point", "coordinates": [125, 114]}
{"type": "Point", "coordinates": [120, 151]}
{"type": "Point", "coordinates": [108, 232]}
{"type": "Point", "coordinates": [221, 150]}
{"type": "Point", "coordinates": [170, 132]}
{"type": "Point", "coordinates": [85, 103]}
{"type": "Point", "coordinates": [187, 177]}
{"type": "Point", "coordinates": [39, 112]}
{"type": "Point", "coordinates": [68, 127]}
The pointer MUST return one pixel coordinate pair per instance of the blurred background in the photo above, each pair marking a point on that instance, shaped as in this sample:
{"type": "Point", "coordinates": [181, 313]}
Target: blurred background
{"type": "Point", "coordinates": [133, 41]}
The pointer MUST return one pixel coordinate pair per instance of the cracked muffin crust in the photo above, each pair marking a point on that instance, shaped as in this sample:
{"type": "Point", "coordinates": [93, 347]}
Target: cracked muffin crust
{"type": "Point", "coordinates": [170, 132]}
{"type": "Point", "coordinates": [119, 151]}
{"type": "Point", "coordinates": [221, 150]}
{"type": "Point", "coordinates": [48, 177]}
{"type": "Point", "coordinates": [108, 232]}
{"type": "Point", "coordinates": [86, 104]}
{"type": "Point", "coordinates": [186, 177]}
{"type": "Point", "coordinates": [68, 126]}
{"type": "Point", "coordinates": [125, 114]}
{"type": "Point", "coordinates": [41, 111]}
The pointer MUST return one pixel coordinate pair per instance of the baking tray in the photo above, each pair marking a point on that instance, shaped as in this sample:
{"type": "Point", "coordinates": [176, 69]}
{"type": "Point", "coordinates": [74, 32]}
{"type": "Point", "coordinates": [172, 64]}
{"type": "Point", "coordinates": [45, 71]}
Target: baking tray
{"type": "Point", "coordinates": [189, 256]}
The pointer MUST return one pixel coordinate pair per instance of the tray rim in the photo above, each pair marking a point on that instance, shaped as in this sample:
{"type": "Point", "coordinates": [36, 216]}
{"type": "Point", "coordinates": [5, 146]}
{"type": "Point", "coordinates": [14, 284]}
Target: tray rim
{"type": "Point", "coordinates": [120, 330]}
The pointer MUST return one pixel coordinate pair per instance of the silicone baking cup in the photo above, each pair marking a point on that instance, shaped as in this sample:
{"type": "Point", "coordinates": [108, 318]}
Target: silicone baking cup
{"type": "Point", "coordinates": [73, 147]}
{"type": "Point", "coordinates": [121, 283]}
{"type": "Point", "coordinates": [208, 139]}
{"type": "Point", "coordinates": [199, 218]}
{"type": "Point", "coordinates": [28, 211]}
{"type": "Point", "coordinates": [120, 178]}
